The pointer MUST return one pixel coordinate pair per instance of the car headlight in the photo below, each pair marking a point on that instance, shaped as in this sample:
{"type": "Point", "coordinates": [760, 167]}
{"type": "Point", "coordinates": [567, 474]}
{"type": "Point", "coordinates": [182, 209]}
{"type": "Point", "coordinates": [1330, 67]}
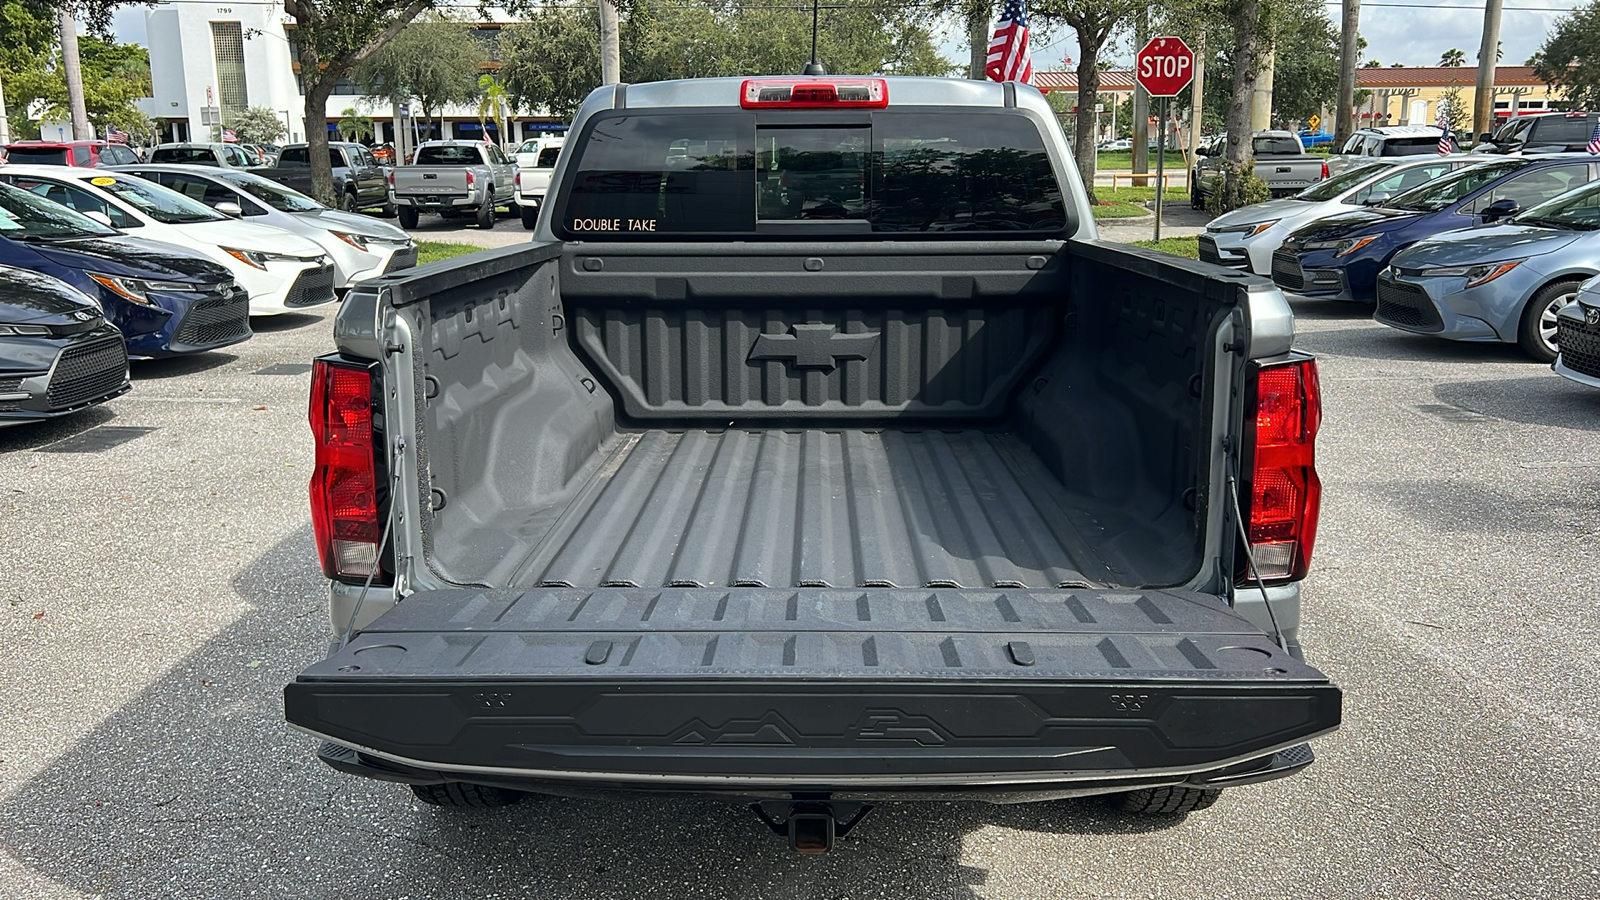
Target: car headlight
{"type": "Point", "coordinates": [1344, 246]}
{"type": "Point", "coordinates": [1249, 230]}
{"type": "Point", "coordinates": [24, 330]}
{"type": "Point", "coordinates": [357, 241]}
{"type": "Point", "coordinates": [139, 289]}
{"type": "Point", "coordinates": [259, 258]}
{"type": "Point", "coordinates": [1483, 273]}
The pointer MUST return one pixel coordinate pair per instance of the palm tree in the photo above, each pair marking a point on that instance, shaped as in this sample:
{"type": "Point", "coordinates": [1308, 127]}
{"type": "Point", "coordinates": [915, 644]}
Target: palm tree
{"type": "Point", "coordinates": [491, 105]}
{"type": "Point", "coordinates": [1453, 57]}
{"type": "Point", "coordinates": [354, 126]}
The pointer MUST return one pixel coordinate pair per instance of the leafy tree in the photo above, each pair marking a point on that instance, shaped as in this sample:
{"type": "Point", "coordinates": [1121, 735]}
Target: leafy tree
{"type": "Point", "coordinates": [353, 126]}
{"type": "Point", "coordinates": [1305, 71]}
{"type": "Point", "coordinates": [1457, 112]}
{"type": "Point", "coordinates": [1455, 56]}
{"type": "Point", "coordinates": [434, 60]}
{"type": "Point", "coordinates": [114, 77]}
{"type": "Point", "coordinates": [257, 125]}
{"type": "Point", "coordinates": [1569, 59]}
{"type": "Point", "coordinates": [1094, 22]}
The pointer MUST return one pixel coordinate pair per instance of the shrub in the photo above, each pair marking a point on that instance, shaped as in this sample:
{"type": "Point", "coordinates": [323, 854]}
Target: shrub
{"type": "Point", "coordinates": [1239, 187]}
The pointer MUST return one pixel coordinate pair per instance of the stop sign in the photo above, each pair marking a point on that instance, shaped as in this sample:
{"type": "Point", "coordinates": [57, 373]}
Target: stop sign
{"type": "Point", "coordinates": [1164, 66]}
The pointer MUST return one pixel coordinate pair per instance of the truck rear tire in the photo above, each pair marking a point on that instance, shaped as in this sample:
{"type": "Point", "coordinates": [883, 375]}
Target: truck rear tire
{"type": "Point", "coordinates": [486, 214]}
{"type": "Point", "coordinates": [465, 796]}
{"type": "Point", "coordinates": [530, 216]}
{"type": "Point", "coordinates": [1166, 801]}
{"type": "Point", "coordinates": [408, 216]}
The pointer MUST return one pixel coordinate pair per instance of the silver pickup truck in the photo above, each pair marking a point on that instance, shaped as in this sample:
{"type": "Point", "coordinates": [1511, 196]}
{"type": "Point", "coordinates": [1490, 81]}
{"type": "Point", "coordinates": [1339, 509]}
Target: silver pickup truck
{"type": "Point", "coordinates": [1280, 160]}
{"type": "Point", "coordinates": [453, 178]}
{"type": "Point", "coordinates": [816, 454]}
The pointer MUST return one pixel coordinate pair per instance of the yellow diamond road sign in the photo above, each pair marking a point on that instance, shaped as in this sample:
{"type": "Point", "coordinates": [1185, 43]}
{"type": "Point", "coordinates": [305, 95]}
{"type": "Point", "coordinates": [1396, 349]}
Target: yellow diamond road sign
{"type": "Point", "coordinates": [1314, 121]}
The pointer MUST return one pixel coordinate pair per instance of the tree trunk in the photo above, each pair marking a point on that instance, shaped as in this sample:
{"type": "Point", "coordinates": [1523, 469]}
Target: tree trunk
{"type": "Point", "coordinates": [5, 124]}
{"type": "Point", "coordinates": [1083, 127]}
{"type": "Point", "coordinates": [1141, 105]}
{"type": "Point", "coordinates": [1349, 25]}
{"type": "Point", "coordinates": [1488, 55]}
{"type": "Point", "coordinates": [1246, 50]}
{"type": "Point", "coordinates": [610, 44]}
{"type": "Point", "coordinates": [73, 70]}
{"type": "Point", "coordinates": [978, 35]}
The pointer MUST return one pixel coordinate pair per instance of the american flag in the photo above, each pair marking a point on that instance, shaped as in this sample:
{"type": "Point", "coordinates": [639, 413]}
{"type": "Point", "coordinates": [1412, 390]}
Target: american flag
{"type": "Point", "coordinates": [1009, 59]}
{"type": "Point", "coordinates": [1594, 139]}
{"type": "Point", "coordinates": [116, 135]}
{"type": "Point", "coordinates": [229, 137]}
{"type": "Point", "coordinates": [1444, 129]}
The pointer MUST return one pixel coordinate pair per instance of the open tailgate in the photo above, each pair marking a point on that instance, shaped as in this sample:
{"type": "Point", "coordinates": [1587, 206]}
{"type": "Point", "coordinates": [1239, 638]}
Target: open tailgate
{"type": "Point", "coordinates": [749, 687]}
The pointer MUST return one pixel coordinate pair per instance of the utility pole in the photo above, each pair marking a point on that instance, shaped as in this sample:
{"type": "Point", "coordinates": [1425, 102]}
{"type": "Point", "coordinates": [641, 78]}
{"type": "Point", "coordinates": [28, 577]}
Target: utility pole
{"type": "Point", "coordinates": [1197, 89]}
{"type": "Point", "coordinates": [978, 39]}
{"type": "Point", "coordinates": [73, 70]}
{"type": "Point", "coordinates": [1483, 97]}
{"type": "Point", "coordinates": [610, 44]}
{"type": "Point", "coordinates": [1261, 97]}
{"type": "Point", "coordinates": [1349, 26]}
{"type": "Point", "coordinates": [1141, 106]}
{"type": "Point", "coordinates": [5, 128]}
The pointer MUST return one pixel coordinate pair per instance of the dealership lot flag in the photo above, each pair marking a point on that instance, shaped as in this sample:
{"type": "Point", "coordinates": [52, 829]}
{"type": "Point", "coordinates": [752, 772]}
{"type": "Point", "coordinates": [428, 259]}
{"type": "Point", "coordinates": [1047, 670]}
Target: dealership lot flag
{"type": "Point", "coordinates": [1444, 130]}
{"type": "Point", "coordinates": [1009, 59]}
{"type": "Point", "coordinates": [1594, 139]}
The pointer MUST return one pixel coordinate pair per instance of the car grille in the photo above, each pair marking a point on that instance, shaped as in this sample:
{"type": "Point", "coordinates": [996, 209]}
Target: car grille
{"type": "Point", "coordinates": [1208, 250]}
{"type": "Point", "coordinates": [1286, 271]}
{"type": "Point", "coordinates": [404, 258]}
{"type": "Point", "coordinates": [1580, 346]}
{"type": "Point", "coordinates": [88, 372]}
{"type": "Point", "coordinates": [314, 286]}
{"type": "Point", "coordinates": [1406, 305]}
{"type": "Point", "coordinates": [215, 321]}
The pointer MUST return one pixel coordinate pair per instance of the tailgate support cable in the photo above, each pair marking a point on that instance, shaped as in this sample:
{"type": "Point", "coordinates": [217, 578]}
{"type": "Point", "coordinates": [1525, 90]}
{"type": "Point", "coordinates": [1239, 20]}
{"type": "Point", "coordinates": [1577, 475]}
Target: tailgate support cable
{"type": "Point", "coordinates": [1244, 537]}
{"type": "Point", "coordinates": [383, 543]}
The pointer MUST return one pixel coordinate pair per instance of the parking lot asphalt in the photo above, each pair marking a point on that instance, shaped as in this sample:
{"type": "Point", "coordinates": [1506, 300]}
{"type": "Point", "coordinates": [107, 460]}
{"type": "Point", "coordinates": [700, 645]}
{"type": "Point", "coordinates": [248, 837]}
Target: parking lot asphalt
{"type": "Point", "coordinates": [161, 589]}
{"type": "Point", "coordinates": [507, 230]}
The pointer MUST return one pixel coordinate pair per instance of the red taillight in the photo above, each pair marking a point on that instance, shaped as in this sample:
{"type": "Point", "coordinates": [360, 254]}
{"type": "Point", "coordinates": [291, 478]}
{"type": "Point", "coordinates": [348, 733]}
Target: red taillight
{"type": "Point", "coordinates": [1284, 493]}
{"type": "Point", "coordinates": [469, 178]}
{"type": "Point", "coordinates": [391, 178]}
{"type": "Point", "coordinates": [1324, 170]}
{"type": "Point", "coordinates": [344, 481]}
{"type": "Point", "coordinates": [814, 93]}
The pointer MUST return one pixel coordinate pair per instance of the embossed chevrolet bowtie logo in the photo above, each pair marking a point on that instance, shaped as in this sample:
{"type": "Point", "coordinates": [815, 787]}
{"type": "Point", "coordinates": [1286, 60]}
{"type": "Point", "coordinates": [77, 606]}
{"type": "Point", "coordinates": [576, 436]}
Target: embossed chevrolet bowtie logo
{"type": "Point", "coordinates": [814, 346]}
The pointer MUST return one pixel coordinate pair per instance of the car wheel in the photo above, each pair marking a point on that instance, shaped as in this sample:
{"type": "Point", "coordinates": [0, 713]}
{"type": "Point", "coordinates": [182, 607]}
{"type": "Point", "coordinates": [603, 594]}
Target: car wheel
{"type": "Point", "coordinates": [486, 213]}
{"type": "Point", "coordinates": [387, 210]}
{"type": "Point", "coordinates": [1165, 801]}
{"type": "Point", "coordinates": [1537, 334]}
{"type": "Point", "coordinates": [470, 796]}
{"type": "Point", "coordinates": [1197, 197]}
{"type": "Point", "coordinates": [351, 202]}
{"type": "Point", "coordinates": [408, 217]}
{"type": "Point", "coordinates": [530, 217]}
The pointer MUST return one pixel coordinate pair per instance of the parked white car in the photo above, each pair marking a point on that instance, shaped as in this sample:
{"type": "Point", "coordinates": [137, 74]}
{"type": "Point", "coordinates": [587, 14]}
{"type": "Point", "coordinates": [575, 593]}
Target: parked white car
{"type": "Point", "coordinates": [282, 272]}
{"type": "Point", "coordinates": [1246, 238]}
{"type": "Point", "coordinates": [536, 163]}
{"type": "Point", "coordinates": [361, 247]}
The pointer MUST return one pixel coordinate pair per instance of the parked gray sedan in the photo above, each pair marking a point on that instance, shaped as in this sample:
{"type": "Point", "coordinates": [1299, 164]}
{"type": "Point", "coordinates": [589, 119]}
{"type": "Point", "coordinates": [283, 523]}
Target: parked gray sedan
{"type": "Point", "coordinates": [1501, 282]}
{"type": "Point", "coordinates": [362, 247]}
{"type": "Point", "coordinates": [1578, 334]}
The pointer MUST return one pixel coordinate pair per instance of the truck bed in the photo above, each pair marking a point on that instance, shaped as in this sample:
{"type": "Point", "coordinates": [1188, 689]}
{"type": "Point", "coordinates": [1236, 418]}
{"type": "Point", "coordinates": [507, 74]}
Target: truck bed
{"type": "Point", "coordinates": [816, 508]}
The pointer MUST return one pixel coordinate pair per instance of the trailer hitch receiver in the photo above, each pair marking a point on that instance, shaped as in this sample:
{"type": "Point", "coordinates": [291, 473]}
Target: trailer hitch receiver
{"type": "Point", "coordinates": [811, 825]}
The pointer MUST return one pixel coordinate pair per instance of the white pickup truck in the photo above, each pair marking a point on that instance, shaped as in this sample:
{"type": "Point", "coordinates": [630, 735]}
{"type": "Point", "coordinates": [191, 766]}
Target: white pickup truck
{"type": "Point", "coordinates": [536, 161]}
{"type": "Point", "coordinates": [452, 178]}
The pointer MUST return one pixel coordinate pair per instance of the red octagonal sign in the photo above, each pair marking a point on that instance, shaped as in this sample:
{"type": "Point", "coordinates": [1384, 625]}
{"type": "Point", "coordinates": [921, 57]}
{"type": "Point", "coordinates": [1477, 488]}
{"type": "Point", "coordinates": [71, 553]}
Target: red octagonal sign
{"type": "Point", "coordinates": [1164, 67]}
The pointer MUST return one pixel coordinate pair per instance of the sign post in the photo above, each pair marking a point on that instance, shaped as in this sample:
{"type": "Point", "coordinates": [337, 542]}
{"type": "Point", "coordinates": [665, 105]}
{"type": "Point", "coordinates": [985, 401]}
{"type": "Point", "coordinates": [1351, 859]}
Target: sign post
{"type": "Point", "coordinates": [1163, 67]}
{"type": "Point", "coordinates": [1314, 121]}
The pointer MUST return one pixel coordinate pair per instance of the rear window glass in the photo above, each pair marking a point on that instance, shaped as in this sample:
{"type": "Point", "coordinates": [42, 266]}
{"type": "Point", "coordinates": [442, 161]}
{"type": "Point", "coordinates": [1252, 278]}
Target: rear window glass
{"type": "Point", "coordinates": [548, 157]}
{"type": "Point", "coordinates": [1411, 146]}
{"type": "Point", "coordinates": [449, 156]}
{"type": "Point", "coordinates": [195, 155]}
{"type": "Point", "coordinates": [1562, 130]}
{"type": "Point", "coordinates": [38, 156]}
{"type": "Point", "coordinates": [722, 173]}
{"type": "Point", "coordinates": [1276, 146]}
{"type": "Point", "coordinates": [294, 156]}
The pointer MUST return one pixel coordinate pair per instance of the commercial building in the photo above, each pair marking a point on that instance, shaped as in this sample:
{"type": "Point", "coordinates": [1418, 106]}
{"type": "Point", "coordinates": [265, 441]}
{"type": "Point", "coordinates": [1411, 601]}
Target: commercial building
{"type": "Point", "coordinates": [211, 60]}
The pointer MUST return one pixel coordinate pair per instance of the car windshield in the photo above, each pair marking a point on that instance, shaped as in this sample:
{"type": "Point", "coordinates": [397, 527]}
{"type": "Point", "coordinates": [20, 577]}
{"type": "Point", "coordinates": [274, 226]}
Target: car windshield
{"type": "Point", "coordinates": [273, 194]}
{"type": "Point", "coordinates": [1577, 209]}
{"type": "Point", "coordinates": [1329, 188]}
{"type": "Point", "coordinates": [25, 215]}
{"type": "Point", "coordinates": [165, 206]}
{"type": "Point", "coordinates": [1449, 189]}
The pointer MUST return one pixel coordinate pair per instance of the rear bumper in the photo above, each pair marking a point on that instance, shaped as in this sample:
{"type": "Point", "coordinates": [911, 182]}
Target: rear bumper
{"type": "Point", "coordinates": [1077, 692]}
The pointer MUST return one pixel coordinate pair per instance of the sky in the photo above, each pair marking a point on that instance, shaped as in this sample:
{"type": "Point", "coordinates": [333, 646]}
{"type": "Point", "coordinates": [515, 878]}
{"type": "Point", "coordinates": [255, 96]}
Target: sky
{"type": "Point", "coordinates": [1416, 34]}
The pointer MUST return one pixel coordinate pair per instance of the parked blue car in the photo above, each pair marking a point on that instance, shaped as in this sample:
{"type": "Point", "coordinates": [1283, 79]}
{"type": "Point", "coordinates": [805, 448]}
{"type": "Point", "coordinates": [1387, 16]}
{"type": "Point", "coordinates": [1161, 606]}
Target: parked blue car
{"type": "Point", "coordinates": [164, 299]}
{"type": "Point", "coordinates": [1339, 257]}
{"type": "Point", "coordinates": [1501, 282]}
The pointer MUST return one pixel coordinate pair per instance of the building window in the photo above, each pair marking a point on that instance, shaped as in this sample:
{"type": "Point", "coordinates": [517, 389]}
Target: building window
{"type": "Point", "coordinates": [227, 47]}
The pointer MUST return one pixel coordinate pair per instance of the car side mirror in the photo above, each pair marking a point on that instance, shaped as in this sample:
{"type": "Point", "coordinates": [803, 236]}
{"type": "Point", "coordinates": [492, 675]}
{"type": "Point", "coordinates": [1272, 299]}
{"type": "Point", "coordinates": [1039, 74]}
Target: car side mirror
{"type": "Point", "coordinates": [100, 217]}
{"type": "Point", "coordinates": [1375, 199]}
{"type": "Point", "coordinates": [229, 208]}
{"type": "Point", "coordinates": [1500, 209]}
